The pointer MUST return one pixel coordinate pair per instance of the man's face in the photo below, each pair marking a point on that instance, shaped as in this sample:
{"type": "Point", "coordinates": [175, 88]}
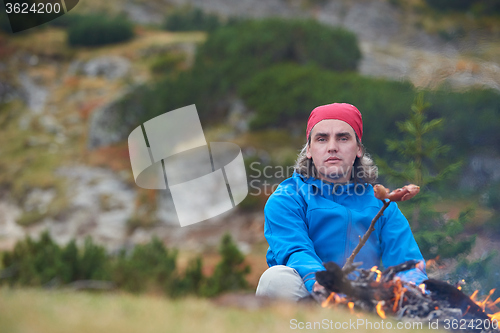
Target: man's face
{"type": "Point", "coordinates": [333, 150]}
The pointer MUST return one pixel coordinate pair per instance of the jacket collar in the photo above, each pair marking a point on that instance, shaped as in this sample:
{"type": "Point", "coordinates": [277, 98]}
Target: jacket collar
{"type": "Point", "coordinates": [318, 185]}
{"type": "Point", "coordinates": [318, 182]}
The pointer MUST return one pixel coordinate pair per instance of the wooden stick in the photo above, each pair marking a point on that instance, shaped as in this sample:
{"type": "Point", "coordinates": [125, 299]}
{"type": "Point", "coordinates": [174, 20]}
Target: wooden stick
{"type": "Point", "coordinates": [349, 263]}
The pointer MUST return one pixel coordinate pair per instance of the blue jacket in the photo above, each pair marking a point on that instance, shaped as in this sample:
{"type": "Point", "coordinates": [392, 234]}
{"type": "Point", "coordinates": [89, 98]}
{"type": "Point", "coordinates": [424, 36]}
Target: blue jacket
{"type": "Point", "coordinates": [307, 223]}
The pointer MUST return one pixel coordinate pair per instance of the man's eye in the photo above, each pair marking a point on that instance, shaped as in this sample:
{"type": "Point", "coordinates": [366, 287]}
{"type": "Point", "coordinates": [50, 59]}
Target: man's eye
{"type": "Point", "coordinates": [321, 139]}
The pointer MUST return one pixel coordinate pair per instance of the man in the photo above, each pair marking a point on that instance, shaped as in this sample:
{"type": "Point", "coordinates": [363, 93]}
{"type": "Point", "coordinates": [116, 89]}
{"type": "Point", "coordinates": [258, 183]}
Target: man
{"type": "Point", "coordinates": [319, 213]}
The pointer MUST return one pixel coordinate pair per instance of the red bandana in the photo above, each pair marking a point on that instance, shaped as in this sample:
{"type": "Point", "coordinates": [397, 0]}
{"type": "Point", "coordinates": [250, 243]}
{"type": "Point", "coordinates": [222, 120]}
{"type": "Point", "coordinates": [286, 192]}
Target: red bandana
{"type": "Point", "coordinates": [341, 111]}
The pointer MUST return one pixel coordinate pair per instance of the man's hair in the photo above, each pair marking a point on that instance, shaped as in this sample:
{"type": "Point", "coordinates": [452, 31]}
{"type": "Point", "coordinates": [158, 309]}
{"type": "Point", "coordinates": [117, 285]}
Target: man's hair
{"type": "Point", "coordinates": [364, 169]}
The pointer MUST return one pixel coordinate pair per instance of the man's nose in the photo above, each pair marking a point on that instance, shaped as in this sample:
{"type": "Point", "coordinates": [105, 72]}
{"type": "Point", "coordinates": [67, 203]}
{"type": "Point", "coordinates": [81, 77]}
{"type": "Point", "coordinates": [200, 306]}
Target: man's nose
{"type": "Point", "coordinates": [333, 146]}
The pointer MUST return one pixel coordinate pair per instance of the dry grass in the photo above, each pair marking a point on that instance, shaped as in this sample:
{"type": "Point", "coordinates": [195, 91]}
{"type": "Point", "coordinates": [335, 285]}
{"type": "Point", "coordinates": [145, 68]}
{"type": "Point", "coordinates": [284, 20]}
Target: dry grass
{"type": "Point", "coordinates": [53, 312]}
{"type": "Point", "coordinates": [116, 6]}
{"type": "Point", "coordinates": [143, 40]}
{"type": "Point", "coordinates": [489, 51]}
{"type": "Point", "coordinates": [25, 161]}
{"type": "Point", "coordinates": [115, 157]}
{"type": "Point", "coordinates": [48, 42]}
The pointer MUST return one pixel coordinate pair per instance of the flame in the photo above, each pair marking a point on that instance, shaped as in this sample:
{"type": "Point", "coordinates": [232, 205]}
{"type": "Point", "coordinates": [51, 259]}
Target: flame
{"type": "Point", "coordinates": [327, 301]}
{"type": "Point", "coordinates": [487, 303]}
{"type": "Point", "coordinates": [432, 263]}
{"type": "Point", "coordinates": [496, 302]}
{"type": "Point", "coordinates": [399, 289]}
{"type": "Point", "coordinates": [350, 305]}
{"type": "Point", "coordinates": [482, 304]}
{"type": "Point", "coordinates": [466, 311]}
{"type": "Point", "coordinates": [474, 295]}
{"type": "Point", "coordinates": [380, 311]}
{"type": "Point", "coordinates": [398, 294]}
{"type": "Point", "coordinates": [379, 273]}
{"type": "Point", "coordinates": [332, 299]}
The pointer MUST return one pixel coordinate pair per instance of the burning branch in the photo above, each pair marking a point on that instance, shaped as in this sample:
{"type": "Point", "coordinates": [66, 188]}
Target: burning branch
{"type": "Point", "coordinates": [382, 193]}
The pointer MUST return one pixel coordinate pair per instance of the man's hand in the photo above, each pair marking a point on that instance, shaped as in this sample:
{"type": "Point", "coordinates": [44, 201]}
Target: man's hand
{"type": "Point", "coordinates": [319, 293]}
{"type": "Point", "coordinates": [318, 288]}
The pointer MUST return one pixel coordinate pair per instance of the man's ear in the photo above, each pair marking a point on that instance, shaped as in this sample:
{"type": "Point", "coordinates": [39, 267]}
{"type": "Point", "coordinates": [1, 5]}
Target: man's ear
{"type": "Point", "coordinates": [308, 153]}
{"type": "Point", "coordinates": [360, 152]}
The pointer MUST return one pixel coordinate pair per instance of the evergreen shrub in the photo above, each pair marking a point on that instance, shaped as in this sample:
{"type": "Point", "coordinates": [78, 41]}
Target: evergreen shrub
{"type": "Point", "coordinates": [36, 263]}
{"type": "Point", "coordinates": [285, 94]}
{"type": "Point", "coordinates": [233, 54]}
{"type": "Point", "coordinates": [450, 4]}
{"type": "Point", "coordinates": [230, 272]}
{"type": "Point", "coordinates": [191, 19]}
{"type": "Point", "coordinates": [148, 267]}
{"type": "Point", "coordinates": [97, 30]}
{"type": "Point", "coordinates": [245, 48]}
{"type": "Point", "coordinates": [479, 6]}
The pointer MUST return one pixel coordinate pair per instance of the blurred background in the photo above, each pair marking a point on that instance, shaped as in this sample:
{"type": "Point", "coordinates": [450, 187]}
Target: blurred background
{"type": "Point", "coordinates": [425, 74]}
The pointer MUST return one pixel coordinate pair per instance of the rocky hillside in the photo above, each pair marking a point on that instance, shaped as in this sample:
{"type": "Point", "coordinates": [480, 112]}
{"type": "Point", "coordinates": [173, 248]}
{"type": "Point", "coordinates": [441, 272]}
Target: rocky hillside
{"type": "Point", "coordinates": [62, 167]}
{"type": "Point", "coordinates": [400, 40]}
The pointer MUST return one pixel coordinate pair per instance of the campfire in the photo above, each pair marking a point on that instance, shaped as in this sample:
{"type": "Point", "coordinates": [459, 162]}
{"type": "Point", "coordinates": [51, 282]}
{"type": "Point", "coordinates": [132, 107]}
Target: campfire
{"type": "Point", "coordinates": [384, 293]}
{"type": "Point", "coordinates": [387, 295]}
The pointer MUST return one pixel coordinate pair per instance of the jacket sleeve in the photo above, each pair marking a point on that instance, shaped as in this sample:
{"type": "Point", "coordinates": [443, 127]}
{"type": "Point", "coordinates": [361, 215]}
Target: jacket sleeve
{"type": "Point", "coordinates": [286, 231]}
{"type": "Point", "coordinates": [398, 244]}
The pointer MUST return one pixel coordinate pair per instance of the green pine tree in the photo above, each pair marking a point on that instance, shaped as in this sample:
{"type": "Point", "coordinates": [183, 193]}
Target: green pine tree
{"type": "Point", "coordinates": [419, 152]}
{"type": "Point", "coordinates": [230, 272]}
{"type": "Point", "coordinates": [190, 282]}
{"type": "Point", "coordinates": [149, 267]}
{"type": "Point", "coordinates": [71, 260]}
{"type": "Point", "coordinates": [94, 263]}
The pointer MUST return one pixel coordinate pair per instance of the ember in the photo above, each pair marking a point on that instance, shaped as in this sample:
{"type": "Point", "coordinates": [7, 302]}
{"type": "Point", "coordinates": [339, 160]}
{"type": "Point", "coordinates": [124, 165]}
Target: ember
{"type": "Point", "coordinates": [387, 295]}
